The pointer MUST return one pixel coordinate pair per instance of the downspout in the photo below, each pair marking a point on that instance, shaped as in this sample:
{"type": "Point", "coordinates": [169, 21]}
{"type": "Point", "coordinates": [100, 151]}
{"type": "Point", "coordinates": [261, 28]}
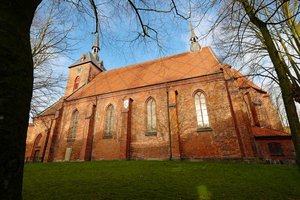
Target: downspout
{"type": "Point", "coordinates": [238, 133]}
{"type": "Point", "coordinates": [169, 126]}
{"type": "Point", "coordinates": [94, 121]}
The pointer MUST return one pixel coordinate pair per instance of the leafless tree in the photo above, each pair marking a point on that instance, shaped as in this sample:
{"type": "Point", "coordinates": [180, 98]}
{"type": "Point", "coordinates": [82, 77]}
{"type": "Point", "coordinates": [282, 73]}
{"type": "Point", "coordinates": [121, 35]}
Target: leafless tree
{"type": "Point", "coordinates": [49, 42]}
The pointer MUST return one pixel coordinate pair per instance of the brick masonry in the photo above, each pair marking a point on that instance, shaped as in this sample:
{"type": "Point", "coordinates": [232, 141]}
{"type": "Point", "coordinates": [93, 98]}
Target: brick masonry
{"type": "Point", "coordinates": [232, 111]}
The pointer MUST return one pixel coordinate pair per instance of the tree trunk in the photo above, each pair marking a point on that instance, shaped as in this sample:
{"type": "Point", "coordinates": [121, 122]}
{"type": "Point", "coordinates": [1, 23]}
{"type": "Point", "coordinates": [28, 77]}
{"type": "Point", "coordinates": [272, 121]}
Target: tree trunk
{"type": "Point", "coordinates": [284, 82]}
{"type": "Point", "coordinates": [15, 91]}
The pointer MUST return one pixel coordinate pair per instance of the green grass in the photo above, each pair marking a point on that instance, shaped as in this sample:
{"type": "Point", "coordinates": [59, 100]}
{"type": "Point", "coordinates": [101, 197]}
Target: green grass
{"type": "Point", "coordinates": [160, 180]}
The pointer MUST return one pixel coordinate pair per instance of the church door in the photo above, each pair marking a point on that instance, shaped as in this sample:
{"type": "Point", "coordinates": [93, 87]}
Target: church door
{"type": "Point", "coordinates": [68, 154]}
{"type": "Point", "coordinates": [36, 156]}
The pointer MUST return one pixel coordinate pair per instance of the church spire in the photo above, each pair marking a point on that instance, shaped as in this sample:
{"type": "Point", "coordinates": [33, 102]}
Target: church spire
{"type": "Point", "coordinates": [96, 47]}
{"type": "Point", "coordinates": [195, 46]}
{"type": "Point", "coordinates": [95, 51]}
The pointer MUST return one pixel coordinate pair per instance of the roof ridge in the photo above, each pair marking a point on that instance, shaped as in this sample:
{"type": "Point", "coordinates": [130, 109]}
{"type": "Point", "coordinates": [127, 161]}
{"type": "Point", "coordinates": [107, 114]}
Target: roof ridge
{"type": "Point", "coordinates": [149, 61]}
{"type": "Point", "coordinates": [249, 82]}
{"type": "Point", "coordinates": [157, 59]}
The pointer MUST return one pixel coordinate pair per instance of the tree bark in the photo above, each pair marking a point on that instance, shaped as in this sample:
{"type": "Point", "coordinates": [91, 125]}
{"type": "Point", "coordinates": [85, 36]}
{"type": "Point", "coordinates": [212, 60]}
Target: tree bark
{"type": "Point", "coordinates": [15, 91]}
{"type": "Point", "coordinates": [284, 82]}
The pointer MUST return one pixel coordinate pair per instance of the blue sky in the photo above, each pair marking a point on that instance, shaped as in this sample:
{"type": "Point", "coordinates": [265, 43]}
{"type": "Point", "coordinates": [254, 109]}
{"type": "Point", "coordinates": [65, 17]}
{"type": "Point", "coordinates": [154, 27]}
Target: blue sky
{"type": "Point", "coordinates": [118, 31]}
{"type": "Point", "coordinates": [115, 53]}
{"type": "Point", "coordinates": [118, 53]}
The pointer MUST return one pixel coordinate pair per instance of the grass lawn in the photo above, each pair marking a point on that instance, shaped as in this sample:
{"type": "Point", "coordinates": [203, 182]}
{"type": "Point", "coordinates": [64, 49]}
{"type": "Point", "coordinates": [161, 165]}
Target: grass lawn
{"type": "Point", "coordinates": [160, 180]}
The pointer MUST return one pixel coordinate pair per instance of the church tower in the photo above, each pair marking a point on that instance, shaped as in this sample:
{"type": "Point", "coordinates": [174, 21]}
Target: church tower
{"type": "Point", "coordinates": [85, 69]}
{"type": "Point", "coordinates": [195, 46]}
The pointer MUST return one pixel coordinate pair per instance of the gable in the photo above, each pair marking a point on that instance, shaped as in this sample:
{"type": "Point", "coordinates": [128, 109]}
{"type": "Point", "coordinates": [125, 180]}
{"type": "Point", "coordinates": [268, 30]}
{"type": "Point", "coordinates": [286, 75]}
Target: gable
{"type": "Point", "coordinates": [244, 82]}
{"type": "Point", "coordinates": [52, 109]}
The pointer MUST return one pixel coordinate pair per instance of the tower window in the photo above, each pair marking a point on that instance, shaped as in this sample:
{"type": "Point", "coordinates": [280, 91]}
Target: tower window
{"type": "Point", "coordinates": [82, 58]}
{"type": "Point", "coordinates": [151, 116]}
{"type": "Point", "coordinates": [201, 110]}
{"type": "Point", "coordinates": [76, 83]}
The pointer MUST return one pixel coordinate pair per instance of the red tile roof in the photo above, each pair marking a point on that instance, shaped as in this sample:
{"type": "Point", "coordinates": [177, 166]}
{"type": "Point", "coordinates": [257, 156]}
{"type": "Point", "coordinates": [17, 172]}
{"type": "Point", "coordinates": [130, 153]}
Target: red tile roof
{"type": "Point", "coordinates": [244, 82]}
{"type": "Point", "coordinates": [52, 109]}
{"type": "Point", "coordinates": [266, 132]}
{"type": "Point", "coordinates": [175, 67]}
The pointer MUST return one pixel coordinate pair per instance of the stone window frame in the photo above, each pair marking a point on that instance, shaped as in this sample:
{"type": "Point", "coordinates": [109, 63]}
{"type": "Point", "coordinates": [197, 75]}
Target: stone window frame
{"type": "Point", "coordinates": [199, 111]}
{"type": "Point", "coordinates": [275, 149]}
{"type": "Point", "coordinates": [74, 126]}
{"type": "Point", "coordinates": [109, 121]}
{"type": "Point", "coordinates": [76, 83]}
{"type": "Point", "coordinates": [150, 131]}
{"type": "Point", "coordinates": [37, 141]}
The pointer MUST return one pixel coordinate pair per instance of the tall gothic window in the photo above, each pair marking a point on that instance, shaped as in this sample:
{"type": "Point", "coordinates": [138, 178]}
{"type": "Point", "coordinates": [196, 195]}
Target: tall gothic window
{"type": "Point", "coordinates": [151, 115]}
{"type": "Point", "coordinates": [73, 129]}
{"type": "Point", "coordinates": [76, 83]}
{"type": "Point", "coordinates": [110, 112]}
{"type": "Point", "coordinates": [201, 110]}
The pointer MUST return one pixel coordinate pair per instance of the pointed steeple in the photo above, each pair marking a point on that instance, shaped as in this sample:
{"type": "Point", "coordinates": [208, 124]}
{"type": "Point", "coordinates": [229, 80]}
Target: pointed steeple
{"type": "Point", "coordinates": [195, 46]}
{"type": "Point", "coordinates": [95, 51]}
{"type": "Point", "coordinates": [96, 47]}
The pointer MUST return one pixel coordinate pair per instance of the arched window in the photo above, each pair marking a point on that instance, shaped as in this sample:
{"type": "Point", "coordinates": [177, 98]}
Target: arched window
{"type": "Point", "coordinates": [36, 156]}
{"type": "Point", "coordinates": [110, 112]}
{"type": "Point", "coordinates": [36, 148]}
{"type": "Point", "coordinates": [151, 115]}
{"type": "Point", "coordinates": [201, 110]}
{"type": "Point", "coordinates": [73, 129]}
{"type": "Point", "coordinates": [37, 141]}
{"type": "Point", "coordinates": [76, 83]}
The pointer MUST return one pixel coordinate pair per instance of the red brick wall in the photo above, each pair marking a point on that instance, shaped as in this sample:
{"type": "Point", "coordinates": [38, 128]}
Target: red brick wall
{"type": "Point", "coordinates": [39, 126]}
{"type": "Point", "coordinates": [86, 72]}
{"type": "Point", "coordinates": [221, 141]}
{"type": "Point", "coordinates": [286, 144]}
{"type": "Point", "coordinates": [267, 114]}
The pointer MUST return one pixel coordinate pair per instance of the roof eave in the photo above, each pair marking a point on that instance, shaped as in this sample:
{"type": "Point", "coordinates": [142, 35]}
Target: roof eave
{"type": "Point", "coordinates": [273, 137]}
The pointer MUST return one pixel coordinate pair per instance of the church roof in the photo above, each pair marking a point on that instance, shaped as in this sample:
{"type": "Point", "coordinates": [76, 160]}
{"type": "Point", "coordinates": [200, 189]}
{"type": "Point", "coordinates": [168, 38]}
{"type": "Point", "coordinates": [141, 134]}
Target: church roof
{"type": "Point", "coordinates": [52, 109]}
{"type": "Point", "coordinates": [244, 82]}
{"type": "Point", "coordinates": [170, 68]}
{"type": "Point", "coordinates": [88, 57]}
{"type": "Point", "coordinates": [267, 132]}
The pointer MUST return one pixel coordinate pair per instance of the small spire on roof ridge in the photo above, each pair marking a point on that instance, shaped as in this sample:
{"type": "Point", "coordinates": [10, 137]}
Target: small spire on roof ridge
{"type": "Point", "coordinates": [96, 47]}
{"type": "Point", "coordinates": [195, 46]}
{"type": "Point", "coordinates": [95, 51]}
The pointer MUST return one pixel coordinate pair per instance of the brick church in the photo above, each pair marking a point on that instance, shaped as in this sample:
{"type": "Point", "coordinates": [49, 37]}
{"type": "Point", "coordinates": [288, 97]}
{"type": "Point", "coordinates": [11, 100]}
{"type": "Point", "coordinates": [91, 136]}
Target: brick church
{"type": "Point", "coordinates": [183, 106]}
